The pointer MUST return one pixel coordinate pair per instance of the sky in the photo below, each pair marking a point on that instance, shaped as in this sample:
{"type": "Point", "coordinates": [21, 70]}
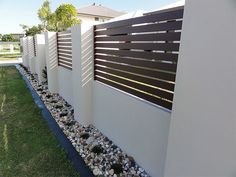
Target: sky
{"type": "Point", "coordinates": [15, 12]}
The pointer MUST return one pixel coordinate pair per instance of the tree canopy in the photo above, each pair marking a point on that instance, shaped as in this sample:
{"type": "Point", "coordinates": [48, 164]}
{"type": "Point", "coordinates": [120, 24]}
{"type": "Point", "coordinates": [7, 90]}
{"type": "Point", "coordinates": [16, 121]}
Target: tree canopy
{"type": "Point", "coordinates": [44, 14]}
{"type": "Point", "coordinates": [8, 38]}
{"type": "Point", "coordinates": [31, 31]}
{"type": "Point", "coordinates": [66, 16]}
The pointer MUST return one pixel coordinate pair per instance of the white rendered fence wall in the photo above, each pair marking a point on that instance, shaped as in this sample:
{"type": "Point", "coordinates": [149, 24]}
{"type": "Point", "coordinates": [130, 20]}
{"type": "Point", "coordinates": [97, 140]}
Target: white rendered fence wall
{"type": "Point", "coordinates": [82, 64]}
{"type": "Point", "coordinates": [65, 85]}
{"type": "Point", "coordinates": [202, 139]}
{"type": "Point", "coordinates": [40, 60]}
{"type": "Point", "coordinates": [31, 54]}
{"type": "Point", "coordinates": [139, 128]}
{"type": "Point", "coordinates": [51, 61]}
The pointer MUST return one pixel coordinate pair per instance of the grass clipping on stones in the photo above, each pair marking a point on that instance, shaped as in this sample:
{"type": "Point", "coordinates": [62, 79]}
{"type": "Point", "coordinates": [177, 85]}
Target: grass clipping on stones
{"type": "Point", "coordinates": [27, 146]}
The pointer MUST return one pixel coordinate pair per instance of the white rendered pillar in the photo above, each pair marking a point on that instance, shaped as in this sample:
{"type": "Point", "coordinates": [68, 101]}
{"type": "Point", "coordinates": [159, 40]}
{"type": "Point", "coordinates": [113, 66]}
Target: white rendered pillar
{"type": "Point", "coordinates": [82, 63]}
{"type": "Point", "coordinates": [40, 60]}
{"type": "Point", "coordinates": [202, 137]}
{"type": "Point", "coordinates": [25, 55]}
{"type": "Point", "coordinates": [31, 56]}
{"type": "Point", "coordinates": [51, 61]}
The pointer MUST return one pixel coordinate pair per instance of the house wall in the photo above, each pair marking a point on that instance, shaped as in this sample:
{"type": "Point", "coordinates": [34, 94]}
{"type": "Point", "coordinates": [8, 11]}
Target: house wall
{"type": "Point", "coordinates": [91, 19]}
{"type": "Point", "coordinates": [202, 139]}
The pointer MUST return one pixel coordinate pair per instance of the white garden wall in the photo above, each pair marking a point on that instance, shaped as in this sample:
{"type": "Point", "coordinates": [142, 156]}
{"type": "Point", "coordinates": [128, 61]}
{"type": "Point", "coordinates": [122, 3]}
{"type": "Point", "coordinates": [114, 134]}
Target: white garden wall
{"type": "Point", "coordinates": [31, 56]}
{"type": "Point", "coordinates": [202, 140]}
{"type": "Point", "coordinates": [65, 84]}
{"type": "Point", "coordinates": [25, 55]}
{"type": "Point", "coordinates": [139, 128]}
{"type": "Point", "coordinates": [40, 60]}
{"type": "Point", "coordinates": [51, 61]}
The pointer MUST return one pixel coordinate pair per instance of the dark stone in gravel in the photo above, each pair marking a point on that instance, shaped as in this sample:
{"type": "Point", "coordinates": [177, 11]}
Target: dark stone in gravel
{"type": "Point", "coordinates": [84, 136]}
{"type": "Point", "coordinates": [117, 168]}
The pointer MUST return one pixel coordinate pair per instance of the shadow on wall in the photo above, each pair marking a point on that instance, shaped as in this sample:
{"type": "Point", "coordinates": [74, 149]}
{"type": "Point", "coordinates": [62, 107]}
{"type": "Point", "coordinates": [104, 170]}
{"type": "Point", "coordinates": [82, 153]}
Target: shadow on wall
{"type": "Point", "coordinates": [87, 57]}
{"type": "Point", "coordinates": [53, 53]}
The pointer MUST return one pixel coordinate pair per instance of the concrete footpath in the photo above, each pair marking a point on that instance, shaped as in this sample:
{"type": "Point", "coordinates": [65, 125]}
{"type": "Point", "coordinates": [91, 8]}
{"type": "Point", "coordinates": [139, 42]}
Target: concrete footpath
{"type": "Point", "coordinates": [10, 62]}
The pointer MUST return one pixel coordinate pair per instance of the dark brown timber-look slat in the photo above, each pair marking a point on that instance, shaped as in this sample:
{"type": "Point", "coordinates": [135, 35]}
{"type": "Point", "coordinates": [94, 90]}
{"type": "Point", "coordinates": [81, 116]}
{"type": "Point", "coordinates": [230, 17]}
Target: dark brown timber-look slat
{"type": "Point", "coordinates": [64, 49]}
{"type": "Point", "coordinates": [140, 55]}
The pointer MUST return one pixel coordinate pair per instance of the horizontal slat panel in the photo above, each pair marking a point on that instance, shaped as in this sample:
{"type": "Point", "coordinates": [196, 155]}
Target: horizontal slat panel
{"type": "Point", "coordinates": [150, 81]}
{"type": "Point", "coordinates": [172, 36]}
{"type": "Point", "coordinates": [146, 55]}
{"type": "Point", "coordinates": [67, 36]}
{"type": "Point", "coordinates": [145, 72]}
{"type": "Point", "coordinates": [141, 46]}
{"type": "Point", "coordinates": [60, 58]}
{"type": "Point", "coordinates": [177, 14]}
{"type": "Point", "coordinates": [152, 99]}
{"type": "Point", "coordinates": [140, 63]}
{"type": "Point", "coordinates": [144, 19]}
{"type": "Point", "coordinates": [65, 51]}
{"type": "Point", "coordinates": [63, 44]}
{"type": "Point", "coordinates": [65, 63]}
{"type": "Point", "coordinates": [64, 40]}
{"type": "Point", "coordinates": [64, 32]}
{"type": "Point", "coordinates": [151, 90]}
{"type": "Point", "coordinates": [65, 66]}
{"type": "Point", "coordinates": [139, 55]}
{"type": "Point", "coordinates": [64, 54]}
{"type": "Point", "coordinates": [177, 25]}
{"type": "Point", "coordinates": [65, 47]}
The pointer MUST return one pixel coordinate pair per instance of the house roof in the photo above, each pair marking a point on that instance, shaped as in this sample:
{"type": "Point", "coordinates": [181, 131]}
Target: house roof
{"type": "Point", "coordinates": [133, 14]}
{"type": "Point", "coordinates": [99, 10]}
{"type": "Point", "coordinates": [176, 5]}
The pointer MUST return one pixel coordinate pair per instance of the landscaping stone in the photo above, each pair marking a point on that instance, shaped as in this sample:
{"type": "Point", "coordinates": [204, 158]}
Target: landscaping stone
{"type": "Point", "coordinates": [100, 154]}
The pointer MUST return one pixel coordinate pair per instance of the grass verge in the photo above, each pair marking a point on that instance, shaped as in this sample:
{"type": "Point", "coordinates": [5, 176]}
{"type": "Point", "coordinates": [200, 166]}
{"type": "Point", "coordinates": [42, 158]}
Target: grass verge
{"type": "Point", "coordinates": [27, 146]}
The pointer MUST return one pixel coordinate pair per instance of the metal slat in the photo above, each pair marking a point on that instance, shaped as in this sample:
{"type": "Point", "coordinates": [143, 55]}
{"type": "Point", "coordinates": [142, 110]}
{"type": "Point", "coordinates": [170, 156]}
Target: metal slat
{"type": "Point", "coordinates": [176, 25]}
{"type": "Point", "coordinates": [176, 14]}
{"type": "Point", "coordinates": [172, 36]}
{"type": "Point", "coordinates": [141, 46]}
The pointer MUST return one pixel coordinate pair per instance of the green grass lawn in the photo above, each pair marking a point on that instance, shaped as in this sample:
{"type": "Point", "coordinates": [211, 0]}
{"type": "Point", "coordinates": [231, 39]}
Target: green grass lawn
{"type": "Point", "coordinates": [27, 147]}
{"type": "Point", "coordinates": [4, 57]}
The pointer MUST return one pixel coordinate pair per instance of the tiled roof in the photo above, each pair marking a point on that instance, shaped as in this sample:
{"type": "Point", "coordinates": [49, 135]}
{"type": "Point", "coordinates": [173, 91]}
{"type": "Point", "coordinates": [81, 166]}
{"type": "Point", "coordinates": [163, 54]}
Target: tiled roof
{"type": "Point", "coordinates": [99, 10]}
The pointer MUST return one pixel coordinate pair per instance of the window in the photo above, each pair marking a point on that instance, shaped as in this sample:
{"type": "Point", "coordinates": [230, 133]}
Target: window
{"type": "Point", "coordinates": [96, 18]}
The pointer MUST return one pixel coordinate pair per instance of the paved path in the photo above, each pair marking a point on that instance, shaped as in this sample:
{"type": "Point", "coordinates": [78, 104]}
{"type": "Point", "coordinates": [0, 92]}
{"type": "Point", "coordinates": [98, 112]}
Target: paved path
{"type": "Point", "coordinates": [10, 62]}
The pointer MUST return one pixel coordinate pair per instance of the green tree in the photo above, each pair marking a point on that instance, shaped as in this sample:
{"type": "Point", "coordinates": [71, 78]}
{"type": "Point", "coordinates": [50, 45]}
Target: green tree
{"type": "Point", "coordinates": [31, 31]}
{"type": "Point", "coordinates": [0, 37]}
{"type": "Point", "coordinates": [8, 38]}
{"type": "Point", "coordinates": [45, 15]}
{"type": "Point", "coordinates": [65, 16]}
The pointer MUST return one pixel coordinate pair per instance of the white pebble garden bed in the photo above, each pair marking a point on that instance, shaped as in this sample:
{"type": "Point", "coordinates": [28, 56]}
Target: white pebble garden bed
{"type": "Point", "coordinates": [100, 154]}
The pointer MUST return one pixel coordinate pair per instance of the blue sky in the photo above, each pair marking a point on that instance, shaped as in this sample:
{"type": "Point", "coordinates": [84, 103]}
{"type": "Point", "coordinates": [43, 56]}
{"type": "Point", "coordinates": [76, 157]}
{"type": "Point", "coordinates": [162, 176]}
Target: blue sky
{"type": "Point", "coordinates": [15, 12]}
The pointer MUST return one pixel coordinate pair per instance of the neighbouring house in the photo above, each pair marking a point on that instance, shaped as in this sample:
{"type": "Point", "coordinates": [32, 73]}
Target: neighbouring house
{"type": "Point", "coordinates": [17, 36]}
{"type": "Point", "coordinates": [99, 13]}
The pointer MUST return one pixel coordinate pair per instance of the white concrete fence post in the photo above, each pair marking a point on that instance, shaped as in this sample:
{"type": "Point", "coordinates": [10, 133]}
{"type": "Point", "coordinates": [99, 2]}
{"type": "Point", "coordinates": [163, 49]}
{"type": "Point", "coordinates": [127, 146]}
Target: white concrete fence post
{"type": "Point", "coordinates": [40, 61]}
{"type": "Point", "coordinates": [82, 63]}
{"type": "Point", "coordinates": [51, 61]}
{"type": "Point", "coordinates": [202, 137]}
{"type": "Point", "coordinates": [25, 52]}
{"type": "Point", "coordinates": [31, 56]}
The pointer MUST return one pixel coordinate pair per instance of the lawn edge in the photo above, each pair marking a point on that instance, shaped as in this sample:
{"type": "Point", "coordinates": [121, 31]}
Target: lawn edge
{"type": "Point", "coordinates": [65, 143]}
